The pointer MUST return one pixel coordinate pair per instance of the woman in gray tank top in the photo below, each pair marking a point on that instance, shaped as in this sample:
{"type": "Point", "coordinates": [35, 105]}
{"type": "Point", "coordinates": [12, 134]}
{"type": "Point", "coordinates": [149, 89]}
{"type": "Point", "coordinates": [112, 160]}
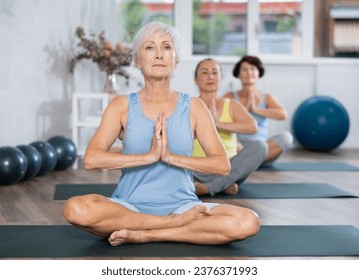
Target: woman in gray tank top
{"type": "Point", "coordinates": [155, 199]}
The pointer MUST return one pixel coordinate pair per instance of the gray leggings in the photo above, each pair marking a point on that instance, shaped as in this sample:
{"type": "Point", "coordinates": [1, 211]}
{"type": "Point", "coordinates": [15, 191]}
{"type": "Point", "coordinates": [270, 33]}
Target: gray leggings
{"type": "Point", "coordinates": [284, 140]}
{"type": "Point", "coordinates": [242, 165]}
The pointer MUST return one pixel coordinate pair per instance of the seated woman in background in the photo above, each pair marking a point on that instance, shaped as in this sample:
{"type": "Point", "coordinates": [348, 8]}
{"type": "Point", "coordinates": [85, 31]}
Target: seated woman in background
{"type": "Point", "coordinates": [155, 198]}
{"type": "Point", "coordinates": [229, 118]}
{"type": "Point", "coordinates": [262, 106]}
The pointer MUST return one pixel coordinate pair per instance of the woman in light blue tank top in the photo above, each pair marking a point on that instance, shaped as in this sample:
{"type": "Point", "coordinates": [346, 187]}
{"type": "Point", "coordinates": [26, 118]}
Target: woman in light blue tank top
{"type": "Point", "coordinates": [262, 123]}
{"type": "Point", "coordinates": [155, 198]}
{"type": "Point", "coordinates": [261, 106]}
{"type": "Point", "coordinates": [145, 187]}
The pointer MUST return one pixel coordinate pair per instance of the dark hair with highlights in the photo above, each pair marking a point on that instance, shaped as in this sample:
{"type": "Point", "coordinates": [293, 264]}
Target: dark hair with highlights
{"type": "Point", "coordinates": [253, 60]}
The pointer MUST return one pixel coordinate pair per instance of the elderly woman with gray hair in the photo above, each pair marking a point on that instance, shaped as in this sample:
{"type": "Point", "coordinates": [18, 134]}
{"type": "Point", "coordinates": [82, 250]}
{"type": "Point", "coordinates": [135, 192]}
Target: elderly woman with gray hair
{"type": "Point", "coordinates": [155, 198]}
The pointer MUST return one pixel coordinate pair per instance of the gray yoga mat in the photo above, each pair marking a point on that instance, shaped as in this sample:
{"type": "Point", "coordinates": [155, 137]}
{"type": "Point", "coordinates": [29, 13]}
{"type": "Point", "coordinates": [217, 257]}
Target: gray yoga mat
{"type": "Point", "coordinates": [62, 241]}
{"type": "Point", "coordinates": [248, 190]}
{"type": "Point", "coordinates": [309, 166]}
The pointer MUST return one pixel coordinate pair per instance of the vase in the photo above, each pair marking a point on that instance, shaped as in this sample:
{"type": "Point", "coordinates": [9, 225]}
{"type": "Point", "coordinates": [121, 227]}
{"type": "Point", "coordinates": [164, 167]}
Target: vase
{"type": "Point", "coordinates": [111, 85]}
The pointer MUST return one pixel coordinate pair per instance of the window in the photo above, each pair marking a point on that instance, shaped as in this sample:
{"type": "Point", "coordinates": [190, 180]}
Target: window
{"type": "Point", "coordinates": [280, 27]}
{"type": "Point", "coordinates": [337, 28]}
{"type": "Point", "coordinates": [219, 28]}
{"type": "Point", "coordinates": [133, 14]}
{"type": "Point", "coordinates": [285, 28]}
{"type": "Point", "coordinates": [229, 28]}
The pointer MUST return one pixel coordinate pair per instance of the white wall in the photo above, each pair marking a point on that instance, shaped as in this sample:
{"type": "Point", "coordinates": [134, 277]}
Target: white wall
{"type": "Point", "coordinates": [341, 81]}
{"type": "Point", "coordinates": [36, 43]}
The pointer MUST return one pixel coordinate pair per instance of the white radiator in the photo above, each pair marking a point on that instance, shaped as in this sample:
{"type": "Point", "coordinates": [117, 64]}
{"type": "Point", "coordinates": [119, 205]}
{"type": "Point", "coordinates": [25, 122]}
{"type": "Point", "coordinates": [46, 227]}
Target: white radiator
{"type": "Point", "coordinates": [290, 94]}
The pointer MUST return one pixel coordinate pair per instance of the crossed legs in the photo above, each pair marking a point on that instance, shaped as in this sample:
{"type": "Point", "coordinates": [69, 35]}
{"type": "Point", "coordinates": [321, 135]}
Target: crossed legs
{"type": "Point", "coordinates": [200, 225]}
{"type": "Point", "coordinates": [242, 165]}
{"type": "Point", "coordinates": [227, 224]}
{"type": "Point", "coordinates": [277, 145]}
{"type": "Point", "coordinates": [274, 151]}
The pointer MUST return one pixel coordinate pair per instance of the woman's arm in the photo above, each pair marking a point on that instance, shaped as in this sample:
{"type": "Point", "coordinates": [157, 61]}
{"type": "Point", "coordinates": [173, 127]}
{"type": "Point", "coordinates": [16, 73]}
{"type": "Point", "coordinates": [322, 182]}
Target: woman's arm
{"type": "Point", "coordinates": [273, 110]}
{"type": "Point", "coordinates": [114, 120]}
{"type": "Point", "coordinates": [217, 161]}
{"type": "Point", "coordinates": [229, 95]}
{"type": "Point", "coordinates": [242, 123]}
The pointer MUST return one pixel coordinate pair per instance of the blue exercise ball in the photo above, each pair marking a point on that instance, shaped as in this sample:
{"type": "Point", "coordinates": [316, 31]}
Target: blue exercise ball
{"type": "Point", "coordinates": [33, 161]}
{"type": "Point", "coordinates": [48, 157]}
{"type": "Point", "coordinates": [13, 165]}
{"type": "Point", "coordinates": [320, 123]}
{"type": "Point", "coordinates": [66, 151]}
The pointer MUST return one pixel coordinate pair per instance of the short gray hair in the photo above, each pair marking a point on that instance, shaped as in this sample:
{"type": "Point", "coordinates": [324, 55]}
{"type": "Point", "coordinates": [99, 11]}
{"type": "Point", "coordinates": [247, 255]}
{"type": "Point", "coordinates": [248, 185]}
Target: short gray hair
{"type": "Point", "coordinates": [148, 30]}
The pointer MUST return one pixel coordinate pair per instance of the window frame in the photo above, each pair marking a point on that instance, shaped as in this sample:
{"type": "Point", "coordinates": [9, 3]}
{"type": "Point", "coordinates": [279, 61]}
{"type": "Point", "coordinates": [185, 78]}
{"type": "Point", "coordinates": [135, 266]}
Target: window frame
{"type": "Point", "coordinates": [183, 24]}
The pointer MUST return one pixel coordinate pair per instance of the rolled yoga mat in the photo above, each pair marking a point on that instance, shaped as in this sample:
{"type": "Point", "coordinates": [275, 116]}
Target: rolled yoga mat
{"type": "Point", "coordinates": [63, 241]}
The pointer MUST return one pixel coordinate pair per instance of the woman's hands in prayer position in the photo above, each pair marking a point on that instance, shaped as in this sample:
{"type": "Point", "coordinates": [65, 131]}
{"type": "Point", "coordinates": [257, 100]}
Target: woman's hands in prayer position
{"type": "Point", "coordinates": [159, 148]}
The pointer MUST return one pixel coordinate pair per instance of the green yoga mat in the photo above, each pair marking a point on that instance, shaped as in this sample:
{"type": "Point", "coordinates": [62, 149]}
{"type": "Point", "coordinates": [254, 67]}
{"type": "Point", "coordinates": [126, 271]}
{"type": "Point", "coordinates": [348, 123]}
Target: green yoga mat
{"type": "Point", "coordinates": [285, 190]}
{"type": "Point", "coordinates": [65, 191]}
{"type": "Point", "coordinates": [309, 166]}
{"type": "Point", "coordinates": [253, 191]}
{"type": "Point", "coordinates": [272, 241]}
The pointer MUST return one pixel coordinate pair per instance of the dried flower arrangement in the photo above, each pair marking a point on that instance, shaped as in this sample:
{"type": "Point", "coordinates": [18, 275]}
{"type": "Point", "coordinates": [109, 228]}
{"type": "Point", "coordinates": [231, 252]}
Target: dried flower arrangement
{"type": "Point", "coordinates": [108, 58]}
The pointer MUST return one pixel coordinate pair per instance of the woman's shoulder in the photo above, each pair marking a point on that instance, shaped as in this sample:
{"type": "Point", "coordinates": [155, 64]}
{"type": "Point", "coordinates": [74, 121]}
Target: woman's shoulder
{"type": "Point", "coordinates": [119, 103]}
{"type": "Point", "coordinates": [120, 98]}
{"type": "Point", "coordinates": [229, 99]}
{"type": "Point", "coordinates": [266, 96]}
{"type": "Point", "coordinates": [196, 101]}
{"type": "Point", "coordinates": [197, 105]}
{"type": "Point", "coordinates": [229, 95]}
{"type": "Point", "coordinates": [235, 105]}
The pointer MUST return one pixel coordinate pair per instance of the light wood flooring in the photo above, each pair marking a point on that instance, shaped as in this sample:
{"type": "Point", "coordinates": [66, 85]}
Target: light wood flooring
{"type": "Point", "coordinates": [31, 202]}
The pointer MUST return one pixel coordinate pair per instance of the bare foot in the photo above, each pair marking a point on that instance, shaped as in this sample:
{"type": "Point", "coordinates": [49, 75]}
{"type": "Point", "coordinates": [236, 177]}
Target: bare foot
{"type": "Point", "coordinates": [123, 236]}
{"type": "Point", "coordinates": [199, 211]}
{"type": "Point", "coordinates": [196, 212]}
{"type": "Point", "coordinates": [232, 190]}
{"type": "Point", "coordinates": [201, 189]}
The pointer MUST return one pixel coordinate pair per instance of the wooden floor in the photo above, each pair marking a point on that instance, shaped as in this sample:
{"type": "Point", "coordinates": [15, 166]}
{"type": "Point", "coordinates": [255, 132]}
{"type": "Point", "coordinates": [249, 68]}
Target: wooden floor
{"type": "Point", "coordinates": [31, 202]}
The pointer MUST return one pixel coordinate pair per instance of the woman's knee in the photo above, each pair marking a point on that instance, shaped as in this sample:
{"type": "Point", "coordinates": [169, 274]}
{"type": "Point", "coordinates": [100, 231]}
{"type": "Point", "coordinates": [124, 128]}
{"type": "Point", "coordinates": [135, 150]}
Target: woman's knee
{"type": "Point", "coordinates": [241, 222]}
{"type": "Point", "coordinates": [252, 223]}
{"type": "Point", "coordinates": [256, 147]}
{"type": "Point", "coordinates": [287, 140]}
{"type": "Point", "coordinates": [261, 147]}
{"type": "Point", "coordinates": [284, 140]}
{"type": "Point", "coordinates": [248, 224]}
{"type": "Point", "coordinates": [75, 211]}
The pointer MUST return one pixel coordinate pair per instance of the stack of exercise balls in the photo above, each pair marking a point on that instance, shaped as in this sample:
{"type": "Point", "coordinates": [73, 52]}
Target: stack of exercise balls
{"type": "Point", "coordinates": [13, 165]}
{"type": "Point", "coordinates": [39, 158]}
{"type": "Point", "coordinates": [320, 123]}
{"type": "Point", "coordinates": [33, 158]}
{"type": "Point", "coordinates": [65, 151]}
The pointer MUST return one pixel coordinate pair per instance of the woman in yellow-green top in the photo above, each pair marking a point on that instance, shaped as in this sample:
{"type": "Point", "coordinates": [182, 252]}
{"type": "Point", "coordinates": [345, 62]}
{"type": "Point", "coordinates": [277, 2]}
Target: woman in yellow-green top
{"type": "Point", "coordinates": [230, 118]}
{"type": "Point", "coordinates": [229, 139]}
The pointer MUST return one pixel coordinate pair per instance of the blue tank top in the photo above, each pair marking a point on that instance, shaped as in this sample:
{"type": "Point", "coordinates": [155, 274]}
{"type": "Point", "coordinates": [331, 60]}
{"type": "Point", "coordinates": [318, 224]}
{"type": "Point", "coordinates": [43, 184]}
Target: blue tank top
{"type": "Point", "coordinates": [157, 188]}
{"type": "Point", "coordinates": [262, 123]}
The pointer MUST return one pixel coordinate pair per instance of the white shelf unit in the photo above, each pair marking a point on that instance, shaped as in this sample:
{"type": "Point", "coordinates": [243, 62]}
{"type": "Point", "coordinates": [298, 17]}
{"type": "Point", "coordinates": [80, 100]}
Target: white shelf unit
{"type": "Point", "coordinates": [87, 121]}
